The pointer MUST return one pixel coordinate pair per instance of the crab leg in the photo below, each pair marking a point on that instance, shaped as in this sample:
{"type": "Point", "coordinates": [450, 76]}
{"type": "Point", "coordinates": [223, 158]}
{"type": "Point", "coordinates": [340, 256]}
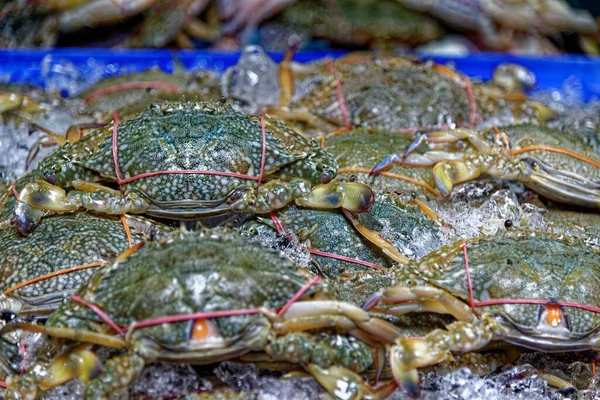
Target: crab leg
{"type": "Point", "coordinates": [374, 237]}
{"type": "Point", "coordinates": [74, 133]}
{"type": "Point", "coordinates": [347, 384]}
{"type": "Point", "coordinates": [421, 298]}
{"type": "Point", "coordinates": [41, 198]}
{"type": "Point", "coordinates": [429, 158]}
{"type": "Point", "coordinates": [306, 315]}
{"type": "Point", "coordinates": [408, 354]}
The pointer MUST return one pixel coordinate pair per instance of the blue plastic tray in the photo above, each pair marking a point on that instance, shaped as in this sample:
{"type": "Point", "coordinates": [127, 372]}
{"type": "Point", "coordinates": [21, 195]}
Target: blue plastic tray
{"type": "Point", "coordinates": [34, 66]}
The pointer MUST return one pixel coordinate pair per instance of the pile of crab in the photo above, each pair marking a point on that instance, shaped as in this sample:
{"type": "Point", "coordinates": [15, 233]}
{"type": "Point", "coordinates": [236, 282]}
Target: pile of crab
{"type": "Point", "coordinates": [187, 231]}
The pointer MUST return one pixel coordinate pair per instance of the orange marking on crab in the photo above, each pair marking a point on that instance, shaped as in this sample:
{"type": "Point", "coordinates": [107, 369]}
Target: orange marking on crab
{"type": "Point", "coordinates": [554, 314]}
{"type": "Point", "coordinates": [392, 175]}
{"type": "Point", "coordinates": [201, 330]}
{"type": "Point", "coordinates": [502, 136]}
{"type": "Point", "coordinates": [126, 227]}
{"type": "Point", "coordinates": [51, 275]}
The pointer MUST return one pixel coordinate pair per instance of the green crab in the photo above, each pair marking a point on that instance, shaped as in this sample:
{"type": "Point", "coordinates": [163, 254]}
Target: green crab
{"type": "Point", "coordinates": [548, 161]}
{"type": "Point", "coordinates": [130, 94]}
{"type": "Point", "coordinates": [401, 95]}
{"type": "Point", "coordinates": [531, 289]}
{"type": "Point", "coordinates": [186, 161]}
{"type": "Point", "coordinates": [388, 93]}
{"type": "Point", "coordinates": [356, 152]}
{"type": "Point", "coordinates": [200, 304]}
{"type": "Point", "coordinates": [38, 271]}
{"type": "Point", "coordinates": [379, 238]}
{"type": "Point", "coordinates": [359, 23]}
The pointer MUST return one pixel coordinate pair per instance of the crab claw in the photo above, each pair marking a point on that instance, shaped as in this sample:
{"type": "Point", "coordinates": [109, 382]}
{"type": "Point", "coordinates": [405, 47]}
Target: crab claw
{"type": "Point", "coordinates": [346, 384]}
{"type": "Point", "coordinates": [406, 356]}
{"type": "Point", "coordinates": [448, 173]}
{"type": "Point", "coordinates": [351, 196]}
{"type": "Point", "coordinates": [36, 200]}
{"type": "Point", "coordinates": [81, 364]}
{"type": "Point", "coordinates": [415, 145]}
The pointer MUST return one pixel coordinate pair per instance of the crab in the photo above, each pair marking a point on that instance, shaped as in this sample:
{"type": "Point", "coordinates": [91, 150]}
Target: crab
{"type": "Point", "coordinates": [556, 165]}
{"type": "Point", "coordinates": [401, 95]}
{"type": "Point", "coordinates": [130, 94]}
{"type": "Point", "coordinates": [358, 150]}
{"type": "Point", "coordinates": [187, 161]}
{"type": "Point", "coordinates": [38, 271]}
{"type": "Point", "coordinates": [340, 245]}
{"type": "Point", "coordinates": [359, 23]}
{"type": "Point", "coordinates": [511, 26]}
{"type": "Point", "coordinates": [531, 289]}
{"type": "Point", "coordinates": [200, 304]}
{"type": "Point", "coordinates": [390, 93]}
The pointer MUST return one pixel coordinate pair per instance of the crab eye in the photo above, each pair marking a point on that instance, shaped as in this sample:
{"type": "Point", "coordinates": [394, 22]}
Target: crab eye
{"type": "Point", "coordinates": [327, 175]}
{"type": "Point", "coordinates": [50, 177]}
{"type": "Point", "coordinates": [7, 315]}
{"type": "Point", "coordinates": [508, 224]}
{"type": "Point", "coordinates": [238, 194]}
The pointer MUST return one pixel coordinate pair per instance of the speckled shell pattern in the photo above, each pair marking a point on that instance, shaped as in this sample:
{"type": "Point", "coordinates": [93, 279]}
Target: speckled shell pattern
{"type": "Point", "coordinates": [528, 266]}
{"type": "Point", "coordinates": [59, 242]}
{"type": "Point", "coordinates": [196, 136]}
{"type": "Point", "coordinates": [193, 273]}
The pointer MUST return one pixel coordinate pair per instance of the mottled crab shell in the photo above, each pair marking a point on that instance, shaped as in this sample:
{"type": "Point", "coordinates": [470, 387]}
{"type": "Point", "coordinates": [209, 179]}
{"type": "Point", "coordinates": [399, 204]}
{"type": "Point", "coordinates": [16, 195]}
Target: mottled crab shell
{"type": "Point", "coordinates": [363, 149]}
{"type": "Point", "coordinates": [392, 216]}
{"type": "Point", "coordinates": [206, 137]}
{"type": "Point", "coordinates": [389, 94]}
{"type": "Point", "coordinates": [525, 135]}
{"type": "Point", "coordinates": [196, 272]}
{"type": "Point", "coordinates": [529, 265]}
{"type": "Point", "coordinates": [60, 242]}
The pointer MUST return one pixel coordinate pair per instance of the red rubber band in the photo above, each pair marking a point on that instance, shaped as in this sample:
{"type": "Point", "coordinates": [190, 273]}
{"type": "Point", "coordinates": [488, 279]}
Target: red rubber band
{"type": "Point", "coordinates": [193, 316]}
{"type": "Point", "coordinates": [340, 95]}
{"type": "Point", "coordinates": [114, 145]}
{"type": "Point", "coordinates": [298, 294]}
{"type": "Point", "coordinates": [14, 190]}
{"type": "Point", "coordinates": [471, 300]}
{"type": "Point", "coordinates": [105, 318]}
{"type": "Point", "coordinates": [344, 258]}
{"type": "Point", "coordinates": [264, 148]}
{"type": "Point", "coordinates": [473, 103]}
{"type": "Point", "coordinates": [280, 229]}
{"type": "Point", "coordinates": [132, 85]}
{"type": "Point", "coordinates": [277, 222]}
